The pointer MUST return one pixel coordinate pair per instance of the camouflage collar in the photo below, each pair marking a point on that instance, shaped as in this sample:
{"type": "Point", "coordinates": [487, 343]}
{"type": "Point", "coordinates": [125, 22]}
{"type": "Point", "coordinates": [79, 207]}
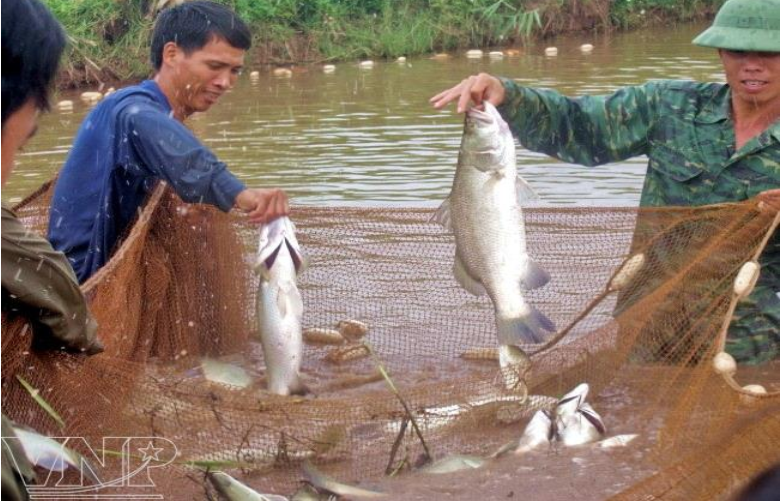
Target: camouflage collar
{"type": "Point", "coordinates": [717, 109]}
{"type": "Point", "coordinates": [773, 130]}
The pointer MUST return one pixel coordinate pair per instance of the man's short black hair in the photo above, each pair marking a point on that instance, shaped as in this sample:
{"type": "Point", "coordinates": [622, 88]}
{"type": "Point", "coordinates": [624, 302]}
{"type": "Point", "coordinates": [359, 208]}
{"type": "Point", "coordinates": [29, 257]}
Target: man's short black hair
{"type": "Point", "coordinates": [192, 25]}
{"type": "Point", "coordinates": [32, 43]}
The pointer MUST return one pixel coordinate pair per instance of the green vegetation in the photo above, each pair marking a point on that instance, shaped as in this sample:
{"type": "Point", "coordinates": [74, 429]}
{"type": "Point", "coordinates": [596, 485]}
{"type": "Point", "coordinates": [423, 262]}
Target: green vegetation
{"type": "Point", "coordinates": [109, 38]}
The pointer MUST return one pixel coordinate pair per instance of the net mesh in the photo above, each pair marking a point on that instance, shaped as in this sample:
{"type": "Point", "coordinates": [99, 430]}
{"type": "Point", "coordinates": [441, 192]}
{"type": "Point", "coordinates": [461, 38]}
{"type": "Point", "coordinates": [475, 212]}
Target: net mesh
{"type": "Point", "coordinates": [180, 288]}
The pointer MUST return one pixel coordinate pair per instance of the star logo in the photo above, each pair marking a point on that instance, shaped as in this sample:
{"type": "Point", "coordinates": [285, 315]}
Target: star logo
{"type": "Point", "coordinates": [150, 452]}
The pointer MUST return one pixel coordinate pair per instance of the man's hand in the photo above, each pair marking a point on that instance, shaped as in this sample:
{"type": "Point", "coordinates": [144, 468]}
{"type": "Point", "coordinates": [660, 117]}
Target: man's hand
{"type": "Point", "coordinates": [768, 200]}
{"type": "Point", "coordinates": [477, 88]}
{"type": "Point", "coordinates": [263, 205]}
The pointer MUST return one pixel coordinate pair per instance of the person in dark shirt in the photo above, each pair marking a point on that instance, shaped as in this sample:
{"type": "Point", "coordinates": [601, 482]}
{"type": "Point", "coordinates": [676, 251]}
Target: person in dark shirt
{"type": "Point", "coordinates": [136, 137]}
{"type": "Point", "coordinates": [37, 281]}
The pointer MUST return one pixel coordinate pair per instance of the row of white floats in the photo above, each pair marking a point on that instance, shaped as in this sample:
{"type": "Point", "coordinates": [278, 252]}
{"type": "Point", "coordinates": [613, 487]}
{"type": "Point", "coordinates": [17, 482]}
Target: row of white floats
{"type": "Point", "coordinates": [93, 97]}
{"type": "Point", "coordinates": [327, 68]}
{"type": "Point", "coordinates": [470, 54]}
{"type": "Point", "coordinates": [496, 54]}
{"type": "Point", "coordinates": [90, 98]}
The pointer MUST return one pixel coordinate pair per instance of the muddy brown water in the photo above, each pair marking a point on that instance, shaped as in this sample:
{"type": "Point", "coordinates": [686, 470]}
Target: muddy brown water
{"type": "Point", "coordinates": [369, 137]}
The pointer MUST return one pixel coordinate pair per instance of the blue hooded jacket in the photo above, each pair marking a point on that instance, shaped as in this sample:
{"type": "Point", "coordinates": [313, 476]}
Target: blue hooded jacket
{"type": "Point", "coordinates": [123, 147]}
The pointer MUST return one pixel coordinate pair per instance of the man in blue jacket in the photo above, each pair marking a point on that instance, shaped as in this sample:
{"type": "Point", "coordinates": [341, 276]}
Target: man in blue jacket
{"type": "Point", "coordinates": [136, 137]}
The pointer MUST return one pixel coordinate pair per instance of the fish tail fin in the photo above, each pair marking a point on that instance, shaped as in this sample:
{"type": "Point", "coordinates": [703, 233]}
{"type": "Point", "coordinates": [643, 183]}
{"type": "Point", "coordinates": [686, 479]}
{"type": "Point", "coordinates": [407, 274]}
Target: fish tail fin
{"type": "Point", "coordinates": [298, 387]}
{"type": "Point", "coordinates": [528, 329]}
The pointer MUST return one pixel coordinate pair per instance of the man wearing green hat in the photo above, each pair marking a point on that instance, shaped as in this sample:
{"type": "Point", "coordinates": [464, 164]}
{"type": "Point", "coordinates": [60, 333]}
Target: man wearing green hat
{"type": "Point", "coordinates": [707, 143]}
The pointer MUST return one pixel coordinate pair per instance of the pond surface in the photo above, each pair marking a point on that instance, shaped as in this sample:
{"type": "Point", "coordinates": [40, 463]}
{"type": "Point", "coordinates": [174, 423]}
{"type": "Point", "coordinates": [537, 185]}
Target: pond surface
{"type": "Point", "coordinates": [370, 138]}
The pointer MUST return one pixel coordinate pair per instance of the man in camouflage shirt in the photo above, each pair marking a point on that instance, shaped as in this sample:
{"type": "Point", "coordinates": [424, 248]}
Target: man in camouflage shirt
{"type": "Point", "coordinates": [707, 143]}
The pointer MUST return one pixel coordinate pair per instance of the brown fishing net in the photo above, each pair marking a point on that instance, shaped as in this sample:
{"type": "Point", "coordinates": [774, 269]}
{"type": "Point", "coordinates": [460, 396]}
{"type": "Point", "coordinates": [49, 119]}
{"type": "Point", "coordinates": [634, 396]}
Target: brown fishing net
{"type": "Point", "coordinates": [180, 288]}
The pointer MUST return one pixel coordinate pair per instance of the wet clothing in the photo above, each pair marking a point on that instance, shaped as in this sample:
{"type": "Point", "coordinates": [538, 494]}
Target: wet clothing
{"type": "Point", "coordinates": [39, 284]}
{"type": "Point", "coordinates": [123, 147]}
{"type": "Point", "coordinates": [686, 130]}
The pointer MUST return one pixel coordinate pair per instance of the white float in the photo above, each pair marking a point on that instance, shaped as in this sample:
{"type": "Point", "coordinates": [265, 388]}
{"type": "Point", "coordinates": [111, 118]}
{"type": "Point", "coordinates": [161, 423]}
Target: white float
{"type": "Point", "coordinates": [91, 96]}
{"type": "Point", "coordinates": [65, 105]}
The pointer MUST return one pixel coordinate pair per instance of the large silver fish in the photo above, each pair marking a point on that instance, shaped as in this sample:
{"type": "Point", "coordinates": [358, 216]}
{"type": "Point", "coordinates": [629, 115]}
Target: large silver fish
{"type": "Point", "coordinates": [484, 212]}
{"type": "Point", "coordinates": [279, 306]}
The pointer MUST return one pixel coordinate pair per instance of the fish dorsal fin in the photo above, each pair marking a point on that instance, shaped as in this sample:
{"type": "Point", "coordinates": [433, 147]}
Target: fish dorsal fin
{"type": "Point", "coordinates": [573, 400]}
{"type": "Point", "coordinates": [524, 191]}
{"type": "Point", "coordinates": [442, 215]}
{"type": "Point", "coordinates": [595, 419]}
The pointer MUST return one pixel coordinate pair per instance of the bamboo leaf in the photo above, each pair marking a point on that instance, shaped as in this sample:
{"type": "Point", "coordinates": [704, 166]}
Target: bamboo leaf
{"type": "Point", "coordinates": [35, 393]}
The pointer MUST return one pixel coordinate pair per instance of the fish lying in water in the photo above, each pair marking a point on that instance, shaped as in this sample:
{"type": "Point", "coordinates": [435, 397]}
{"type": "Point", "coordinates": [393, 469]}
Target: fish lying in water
{"type": "Point", "coordinates": [572, 422]}
{"type": "Point", "coordinates": [279, 306]}
{"type": "Point", "coordinates": [47, 453]}
{"type": "Point", "coordinates": [323, 482]}
{"type": "Point", "coordinates": [516, 369]}
{"type": "Point", "coordinates": [577, 423]}
{"type": "Point", "coordinates": [484, 213]}
{"type": "Point", "coordinates": [454, 463]}
{"type": "Point", "coordinates": [231, 489]}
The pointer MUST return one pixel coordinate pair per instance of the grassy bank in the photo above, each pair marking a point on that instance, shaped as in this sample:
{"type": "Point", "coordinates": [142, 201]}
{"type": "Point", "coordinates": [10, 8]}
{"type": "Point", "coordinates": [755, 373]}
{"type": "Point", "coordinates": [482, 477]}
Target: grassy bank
{"type": "Point", "coordinates": [109, 38]}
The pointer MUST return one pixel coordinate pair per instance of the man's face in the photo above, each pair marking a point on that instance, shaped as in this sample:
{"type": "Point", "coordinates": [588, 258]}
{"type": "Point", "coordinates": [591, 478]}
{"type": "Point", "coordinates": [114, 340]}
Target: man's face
{"type": "Point", "coordinates": [752, 76]}
{"type": "Point", "coordinates": [17, 129]}
{"type": "Point", "coordinates": [205, 74]}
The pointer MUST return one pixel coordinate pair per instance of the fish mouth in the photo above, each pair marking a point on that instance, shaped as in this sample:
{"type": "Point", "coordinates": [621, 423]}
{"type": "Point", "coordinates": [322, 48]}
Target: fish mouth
{"type": "Point", "coordinates": [479, 116]}
{"type": "Point", "coordinates": [294, 255]}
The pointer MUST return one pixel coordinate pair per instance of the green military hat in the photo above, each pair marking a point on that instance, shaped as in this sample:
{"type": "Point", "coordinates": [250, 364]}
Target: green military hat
{"type": "Point", "coordinates": [750, 25]}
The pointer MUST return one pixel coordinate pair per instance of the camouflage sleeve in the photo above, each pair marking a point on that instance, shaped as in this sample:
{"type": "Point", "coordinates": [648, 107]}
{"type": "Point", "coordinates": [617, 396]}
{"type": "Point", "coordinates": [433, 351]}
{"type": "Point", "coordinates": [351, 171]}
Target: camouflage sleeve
{"type": "Point", "coordinates": [39, 283]}
{"type": "Point", "coordinates": [587, 130]}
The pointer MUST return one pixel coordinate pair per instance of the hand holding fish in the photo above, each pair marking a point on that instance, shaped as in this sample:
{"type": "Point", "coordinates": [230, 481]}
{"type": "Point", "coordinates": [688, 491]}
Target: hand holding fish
{"type": "Point", "coordinates": [263, 205]}
{"type": "Point", "coordinates": [476, 88]}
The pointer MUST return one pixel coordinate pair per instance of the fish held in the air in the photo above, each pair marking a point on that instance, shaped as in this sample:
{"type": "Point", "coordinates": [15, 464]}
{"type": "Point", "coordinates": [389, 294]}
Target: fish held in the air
{"type": "Point", "coordinates": [484, 213]}
{"type": "Point", "coordinates": [279, 306]}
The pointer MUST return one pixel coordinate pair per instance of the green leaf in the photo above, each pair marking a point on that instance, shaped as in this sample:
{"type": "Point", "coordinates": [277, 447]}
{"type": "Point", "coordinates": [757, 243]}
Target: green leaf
{"type": "Point", "coordinates": [40, 401]}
